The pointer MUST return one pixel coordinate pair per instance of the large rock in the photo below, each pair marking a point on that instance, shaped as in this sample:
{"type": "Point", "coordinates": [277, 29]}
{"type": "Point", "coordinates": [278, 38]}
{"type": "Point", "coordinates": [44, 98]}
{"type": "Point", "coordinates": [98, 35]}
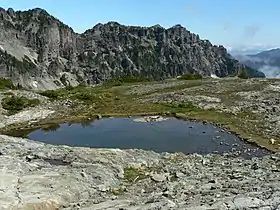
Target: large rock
{"type": "Point", "coordinates": [36, 47]}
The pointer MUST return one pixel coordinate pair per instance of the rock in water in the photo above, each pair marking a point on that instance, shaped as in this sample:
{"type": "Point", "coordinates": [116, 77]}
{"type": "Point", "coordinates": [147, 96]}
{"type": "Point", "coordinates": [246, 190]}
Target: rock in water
{"type": "Point", "coordinates": [98, 116]}
{"type": "Point", "coordinates": [105, 51]}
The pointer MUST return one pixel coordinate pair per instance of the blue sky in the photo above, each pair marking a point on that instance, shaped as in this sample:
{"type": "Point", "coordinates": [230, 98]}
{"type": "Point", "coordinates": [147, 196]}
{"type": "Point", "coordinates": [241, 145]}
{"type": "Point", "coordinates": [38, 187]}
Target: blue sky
{"type": "Point", "coordinates": [233, 23]}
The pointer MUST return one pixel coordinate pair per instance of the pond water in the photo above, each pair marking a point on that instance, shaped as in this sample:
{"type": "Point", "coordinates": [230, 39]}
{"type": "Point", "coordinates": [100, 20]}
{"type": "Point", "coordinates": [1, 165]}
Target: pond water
{"type": "Point", "coordinates": [170, 135]}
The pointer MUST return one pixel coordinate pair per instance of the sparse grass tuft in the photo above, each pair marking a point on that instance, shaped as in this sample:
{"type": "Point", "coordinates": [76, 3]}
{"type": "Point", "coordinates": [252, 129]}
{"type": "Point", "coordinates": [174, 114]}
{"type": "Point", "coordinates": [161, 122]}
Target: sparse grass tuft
{"type": "Point", "coordinates": [194, 76]}
{"type": "Point", "coordinates": [8, 94]}
{"type": "Point", "coordinates": [243, 75]}
{"type": "Point", "coordinates": [132, 174]}
{"type": "Point", "coordinates": [6, 84]}
{"type": "Point", "coordinates": [51, 94]}
{"type": "Point", "coordinates": [15, 104]}
{"type": "Point", "coordinates": [126, 79]}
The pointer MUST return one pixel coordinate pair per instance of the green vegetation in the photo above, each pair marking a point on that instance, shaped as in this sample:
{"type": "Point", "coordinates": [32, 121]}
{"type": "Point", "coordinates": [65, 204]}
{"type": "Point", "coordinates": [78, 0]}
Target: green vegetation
{"type": "Point", "coordinates": [87, 102]}
{"type": "Point", "coordinates": [6, 84]}
{"type": "Point", "coordinates": [8, 94]}
{"type": "Point", "coordinates": [51, 94]}
{"type": "Point", "coordinates": [15, 104]}
{"type": "Point", "coordinates": [194, 76]}
{"type": "Point", "coordinates": [105, 100]}
{"type": "Point", "coordinates": [133, 174]}
{"type": "Point", "coordinates": [187, 105]}
{"type": "Point", "coordinates": [51, 127]}
{"type": "Point", "coordinates": [81, 93]}
{"type": "Point", "coordinates": [243, 75]}
{"type": "Point", "coordinates": [90, 97]}
{"type": "Point", "coordinates": [126, 79]}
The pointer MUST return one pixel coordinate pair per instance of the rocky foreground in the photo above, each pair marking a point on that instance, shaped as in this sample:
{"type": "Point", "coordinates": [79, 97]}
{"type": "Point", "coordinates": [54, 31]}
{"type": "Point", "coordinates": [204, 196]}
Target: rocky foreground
{"type": "Point", "coordinates": [39, 176]}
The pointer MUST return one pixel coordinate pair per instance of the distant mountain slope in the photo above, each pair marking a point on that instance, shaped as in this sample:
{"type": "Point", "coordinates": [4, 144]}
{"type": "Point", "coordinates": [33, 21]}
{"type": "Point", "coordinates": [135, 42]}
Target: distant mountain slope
{"type": "Point", "coordinates": [38, 51]}
{"type": "Point", "coordinates": [267, 61]}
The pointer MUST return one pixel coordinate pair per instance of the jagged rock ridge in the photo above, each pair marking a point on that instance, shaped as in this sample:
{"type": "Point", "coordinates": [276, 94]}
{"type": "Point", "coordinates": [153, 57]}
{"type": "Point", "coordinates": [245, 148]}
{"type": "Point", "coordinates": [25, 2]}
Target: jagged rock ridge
{"type": "Point", "coordinates": [38, 51]}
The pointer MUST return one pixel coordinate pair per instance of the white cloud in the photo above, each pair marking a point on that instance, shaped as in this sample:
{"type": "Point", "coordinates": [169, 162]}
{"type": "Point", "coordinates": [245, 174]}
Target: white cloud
{"type": "Point", "coordinates": [249, 49]}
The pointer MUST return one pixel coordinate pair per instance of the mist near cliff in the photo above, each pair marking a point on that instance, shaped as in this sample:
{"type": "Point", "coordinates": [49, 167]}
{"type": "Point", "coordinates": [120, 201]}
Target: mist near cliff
{"type": "Point", "coordinates": [265, 62]}
{"type": "Point", "coordinates": [270, 71]}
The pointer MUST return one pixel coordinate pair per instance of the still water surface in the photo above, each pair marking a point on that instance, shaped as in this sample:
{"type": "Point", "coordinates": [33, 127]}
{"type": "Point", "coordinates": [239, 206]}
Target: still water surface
{"type": "Point", "coordinates": [172, 135]}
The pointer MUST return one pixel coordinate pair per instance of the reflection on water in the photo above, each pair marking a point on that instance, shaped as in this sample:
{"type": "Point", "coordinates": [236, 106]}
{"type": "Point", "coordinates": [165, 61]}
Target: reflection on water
{"type": "Point", "coordinates": [51, 128]}
{"type": "Point", "coordinates": [172, 135]}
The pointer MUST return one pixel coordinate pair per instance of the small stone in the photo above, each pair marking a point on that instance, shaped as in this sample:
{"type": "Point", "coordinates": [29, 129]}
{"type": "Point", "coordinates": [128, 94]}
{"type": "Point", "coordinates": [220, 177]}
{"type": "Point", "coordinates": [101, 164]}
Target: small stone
{"type": "Point", "coordinates": [166, 193]}
{"type": "Point", "coordinates": [158, 177]}
{"type": "Point", "coordinates": [29, 158]}
{"type": "Point", "coordinates": [83, 174]}
{"type": "Point", "coordinates": [103, 188]}
{"type": "Point", "coordinates": [273, 157]}
{"type": "Point", "coordinates": [179, 174]}
{"type": "Point", "coordinates": [255, 166]}
{"type": "Point", "coordinates": [114, 197]}
{"type": "Point", "coordinates": [234, 191]}
{"type": "Point", "coordinates": [123, 188]}
{"type": "Point", "coordinates": [272, 141]}
{"type": "Point", "coordinates": [120, 174]}
{"type": "Point", "coordinates": [204, 161]}
{"type": "Point", "coordinates": [171, 204]}
{"type": "Point", "coordinates": [167, 113]}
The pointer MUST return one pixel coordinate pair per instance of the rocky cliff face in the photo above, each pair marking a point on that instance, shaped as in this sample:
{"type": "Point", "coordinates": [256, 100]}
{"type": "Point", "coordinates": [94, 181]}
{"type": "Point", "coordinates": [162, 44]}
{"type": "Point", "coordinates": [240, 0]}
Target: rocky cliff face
{"type": "Point", "coordinates": [40, 52]}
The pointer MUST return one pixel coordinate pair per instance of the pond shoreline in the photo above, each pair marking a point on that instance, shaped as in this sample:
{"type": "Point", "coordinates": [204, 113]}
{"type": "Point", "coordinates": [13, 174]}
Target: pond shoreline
{"type": "Point", "coordinates": [142, 119]}
{"type": "Point", "coordinates": [78, 119]}
{"type": "Point", "coordinates": [45, 123]}
{"type": "Point", "coordinates": [227, 130]}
